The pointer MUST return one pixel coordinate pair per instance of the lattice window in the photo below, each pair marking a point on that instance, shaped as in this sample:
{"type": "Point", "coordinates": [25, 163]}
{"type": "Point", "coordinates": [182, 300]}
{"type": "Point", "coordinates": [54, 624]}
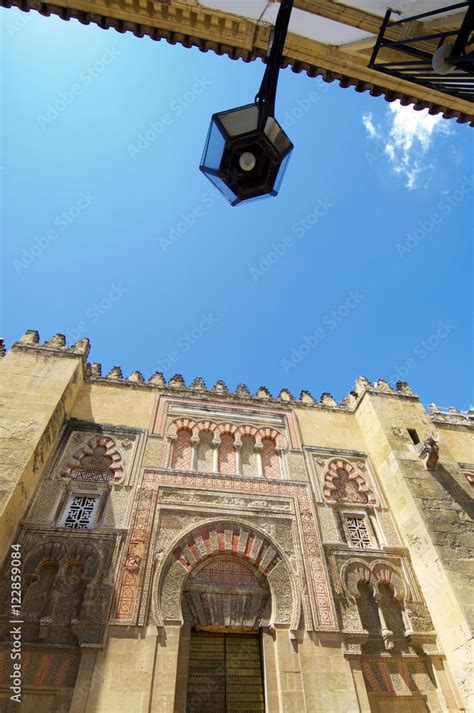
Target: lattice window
{"type": "Point", "coordinates": [270, 460]}
{"type": "Point", "coordinates": [182, 450]}
{"type": "Point", "coordinates": [80, 512]}
{"type": "Point", "coordinates": [358, 532]}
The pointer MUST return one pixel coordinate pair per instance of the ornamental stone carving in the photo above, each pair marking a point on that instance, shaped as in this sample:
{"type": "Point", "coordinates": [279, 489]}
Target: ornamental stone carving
{"type": "Point", "coordinates": [66, 591]}
{"type": "Point", "coordinates": [344, 485]}
{"type": "Point", "coordinates": [229, 538]}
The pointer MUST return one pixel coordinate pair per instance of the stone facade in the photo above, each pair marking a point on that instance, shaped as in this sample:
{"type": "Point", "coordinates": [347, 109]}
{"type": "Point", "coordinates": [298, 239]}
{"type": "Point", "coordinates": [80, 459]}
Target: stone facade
{"type": "Point", "coordinates": [141, 512]}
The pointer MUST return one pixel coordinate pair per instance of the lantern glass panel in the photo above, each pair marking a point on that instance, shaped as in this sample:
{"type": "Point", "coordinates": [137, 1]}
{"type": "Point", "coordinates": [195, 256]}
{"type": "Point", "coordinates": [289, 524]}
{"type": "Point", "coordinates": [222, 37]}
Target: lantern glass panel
{"type": "Point", "coordinates": [214, 148]}
{"type": "Point", "coordinates": [281, 173]}
{"type": "Point", "coordinates": [241, 120]}
{"type": "Point", "coordinates": [277, 136]}
{"type": "Point", "coordinates": [228, 194]}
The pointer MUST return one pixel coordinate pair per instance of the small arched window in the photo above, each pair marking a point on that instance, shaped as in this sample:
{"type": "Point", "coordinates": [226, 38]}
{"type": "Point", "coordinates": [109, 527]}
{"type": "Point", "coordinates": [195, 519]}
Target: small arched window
{"type": "Point", "coordinates": [368, 610]}
{"type": "Point", "coordinates": [391, 609]}
{"type": "Point", "coordinates": [270, 459]}
{"type": "Point", "coordinates": [182, 450]}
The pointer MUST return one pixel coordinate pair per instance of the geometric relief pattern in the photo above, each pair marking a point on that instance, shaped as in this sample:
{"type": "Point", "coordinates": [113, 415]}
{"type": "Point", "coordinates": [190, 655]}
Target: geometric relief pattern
{"type": "Point", "coordinates": [321, 613]}
{"type": "Point", "coordinates": [98, 461]}
{"type": "Point", "coordinates": [48, 668]}
{"type": "Point", "coordinates": [270, 460]}
{"type": "Point", "coordinates": [80, 512]}
{"type": "Point", "coordinates": [397, 677]}
{"type": "Point", "coordinates": [65, 592]}
{"type": "Point", "coordinates": [226, 593]}
{"type": "Point", "coordinates": [227, 461]}
{"type": "Point", "coordinates": [358, 532]}
{"type": "Point", "coordinates": [182, 451]}
{"type": "Point", "coordinates": [138, 543]}
{"type": "Point", "coordinates": [343, 485]}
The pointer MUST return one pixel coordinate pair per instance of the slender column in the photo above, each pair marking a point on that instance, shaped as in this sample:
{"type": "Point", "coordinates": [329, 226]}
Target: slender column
{"type": "Point", "coordinates": [406, 621]}
{"type": "Point", "coordinates": [281, 462]}
{"type": "Point", "coordinates": [194, 445]}
{"type": "Point", "coordinates": [258, 451]}
{"type": "Point", "coordinates": [215, 455]}
{"type": "Point", "coordinates": [387, 634]}
{"type": "Point", "coordinates": [238, 458]}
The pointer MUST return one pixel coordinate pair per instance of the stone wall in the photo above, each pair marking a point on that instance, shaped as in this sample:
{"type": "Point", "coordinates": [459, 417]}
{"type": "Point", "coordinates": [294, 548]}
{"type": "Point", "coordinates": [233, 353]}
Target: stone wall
{"type": "Point", "coordinates": [357, 540]}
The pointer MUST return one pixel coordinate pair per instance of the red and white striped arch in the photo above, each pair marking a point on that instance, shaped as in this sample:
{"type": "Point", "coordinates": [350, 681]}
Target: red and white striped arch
{"type": "Point", "coordinates": [71, 469]}
{"type": "Point", "coordinates": [332, 474]}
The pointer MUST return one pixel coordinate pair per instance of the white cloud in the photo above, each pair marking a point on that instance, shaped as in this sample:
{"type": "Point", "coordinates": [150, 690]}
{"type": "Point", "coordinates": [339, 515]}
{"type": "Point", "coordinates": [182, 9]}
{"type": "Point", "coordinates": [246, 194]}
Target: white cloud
{"type": "Point", "coordinates": [372, 131]}
{"type": "Point", "coordinates": [406, 141]}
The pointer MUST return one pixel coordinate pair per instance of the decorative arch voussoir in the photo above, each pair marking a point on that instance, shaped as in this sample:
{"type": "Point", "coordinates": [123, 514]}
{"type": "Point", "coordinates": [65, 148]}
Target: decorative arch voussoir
{"type": "Point", "coordinates": [273, 435]}
{"type": "Point", "coordinates": [181, 424]}
{"type": "Point", "coordinates": [330, 486]}
{"type": "Point", "coordinates": [111, 451]}
{"type": "Point", "coordinates": [354, 573]}
{"type": "Point", "coordinates": [384, 573]}
{"type": "Point", "coordinates": [213, 539]}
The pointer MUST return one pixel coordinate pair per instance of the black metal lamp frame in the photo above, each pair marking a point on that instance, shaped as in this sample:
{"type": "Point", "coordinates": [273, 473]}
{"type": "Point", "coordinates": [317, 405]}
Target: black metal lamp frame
{"type": "Point", "coordinates": [266, 95]}
{"type": "Point", "coordinates": [459, 82]}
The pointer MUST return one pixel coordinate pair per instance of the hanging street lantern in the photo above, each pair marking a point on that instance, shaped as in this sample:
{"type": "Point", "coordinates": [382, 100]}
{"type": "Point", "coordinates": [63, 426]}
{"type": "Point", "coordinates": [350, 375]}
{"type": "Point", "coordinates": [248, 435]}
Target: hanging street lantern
{"type": "Point", "coordinates": [247, 151]}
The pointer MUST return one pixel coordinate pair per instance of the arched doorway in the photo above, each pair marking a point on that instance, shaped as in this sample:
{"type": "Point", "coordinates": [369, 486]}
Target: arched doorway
{"type": "Point", "coordinates": [220, 590]}
{"type": "Point", "coordinates": [225, 600]}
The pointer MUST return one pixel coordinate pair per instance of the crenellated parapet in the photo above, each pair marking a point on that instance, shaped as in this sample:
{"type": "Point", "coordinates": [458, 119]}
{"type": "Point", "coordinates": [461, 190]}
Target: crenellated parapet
{"type": "Point", "coordinates": [57, 346]}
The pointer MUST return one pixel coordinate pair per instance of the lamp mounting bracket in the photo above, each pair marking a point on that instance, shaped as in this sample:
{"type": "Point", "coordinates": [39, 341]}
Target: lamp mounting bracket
{"type": "Point", "coordinates": [266, 95]}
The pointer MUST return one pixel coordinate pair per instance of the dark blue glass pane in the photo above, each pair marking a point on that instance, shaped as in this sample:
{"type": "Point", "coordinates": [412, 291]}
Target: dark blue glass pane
{"type": "Point", "coordinates": [222, 187]}
{"type": "Point", "coordinates": [214, 148]}
{"type": "Point", "coordinates": [281, 172]}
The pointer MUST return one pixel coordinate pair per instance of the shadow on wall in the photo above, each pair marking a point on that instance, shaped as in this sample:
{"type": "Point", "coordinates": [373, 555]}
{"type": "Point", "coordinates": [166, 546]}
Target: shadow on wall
{"type": "Point", "coordinates": [459, 495]}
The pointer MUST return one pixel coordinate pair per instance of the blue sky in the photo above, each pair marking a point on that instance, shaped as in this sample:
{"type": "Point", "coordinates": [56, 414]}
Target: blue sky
{"type": "Point", "coordinates": [362, 264]}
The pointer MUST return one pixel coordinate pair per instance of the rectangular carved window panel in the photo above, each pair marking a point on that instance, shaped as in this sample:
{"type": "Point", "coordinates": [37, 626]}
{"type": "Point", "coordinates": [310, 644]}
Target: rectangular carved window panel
{"type": "Point", "coordinates": [358, 532]}
{"type": "Point", "coordinates": [80, 512]}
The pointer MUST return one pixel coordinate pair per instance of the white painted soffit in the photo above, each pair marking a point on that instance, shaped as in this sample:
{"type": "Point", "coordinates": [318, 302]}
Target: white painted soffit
{"type": "Point", "coordinates": [315, 27]}
{"type": "Point", "coordinates": [407, 8]}
{"type": "Point", "coordinates": [304, 24]}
